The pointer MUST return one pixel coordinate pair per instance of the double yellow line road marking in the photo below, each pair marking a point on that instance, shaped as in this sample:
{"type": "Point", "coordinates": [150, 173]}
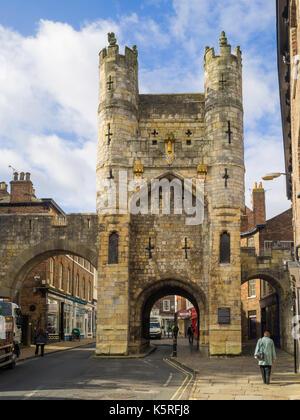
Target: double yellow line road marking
{"type": "Point", "coordinates": [186, 382]}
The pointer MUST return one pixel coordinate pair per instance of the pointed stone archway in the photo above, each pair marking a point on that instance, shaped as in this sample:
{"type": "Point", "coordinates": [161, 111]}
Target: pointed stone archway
{"type": "Point", "coordinates": [140, 312]}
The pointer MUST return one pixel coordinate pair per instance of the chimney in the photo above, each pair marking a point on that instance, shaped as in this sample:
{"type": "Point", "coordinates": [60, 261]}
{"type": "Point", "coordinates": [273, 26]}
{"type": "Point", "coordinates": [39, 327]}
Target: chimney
{"type": "Point", "coordinates": [259, 204]}
{"type": "Point", "coordinates": [3, 190]}
{"type": "Point", "coordinates": [21, 190]}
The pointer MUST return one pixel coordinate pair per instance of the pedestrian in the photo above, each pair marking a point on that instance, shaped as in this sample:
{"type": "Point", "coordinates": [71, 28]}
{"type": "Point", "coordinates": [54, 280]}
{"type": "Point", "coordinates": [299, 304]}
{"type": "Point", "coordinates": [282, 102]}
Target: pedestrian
{"type": "Point", "coordinates": [175, 331]}
{"type": "Point", "coordinates": [266, 356]}
{"type": "Point", "coordinates": [40, 340]}
{"type": "Point", "coordinates": [190, 333]}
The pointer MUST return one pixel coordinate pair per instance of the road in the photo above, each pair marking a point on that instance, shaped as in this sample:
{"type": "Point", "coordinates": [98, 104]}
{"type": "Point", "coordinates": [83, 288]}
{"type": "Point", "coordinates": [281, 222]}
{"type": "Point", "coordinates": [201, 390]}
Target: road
{"type": "Point", "coordinates": [75, 374]}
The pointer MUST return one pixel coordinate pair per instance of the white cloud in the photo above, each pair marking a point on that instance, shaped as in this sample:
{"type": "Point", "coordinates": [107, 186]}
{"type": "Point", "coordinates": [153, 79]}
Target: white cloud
{"type": "Point", "coordinates": [49, 85]}
{"type": "Point", "coordinates": [264, 154]}
{"type": "Point", "coordinates": [49, 89]}
{"type": "Point", "coordinates": [202, 18]}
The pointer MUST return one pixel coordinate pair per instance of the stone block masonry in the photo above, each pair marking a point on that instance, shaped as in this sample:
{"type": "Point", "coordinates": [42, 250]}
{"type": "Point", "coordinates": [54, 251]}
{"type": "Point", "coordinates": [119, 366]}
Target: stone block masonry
{"type": "Point", "coordinates": [169, 137]}
{"type": "Point", "coordinates": [27, 239]}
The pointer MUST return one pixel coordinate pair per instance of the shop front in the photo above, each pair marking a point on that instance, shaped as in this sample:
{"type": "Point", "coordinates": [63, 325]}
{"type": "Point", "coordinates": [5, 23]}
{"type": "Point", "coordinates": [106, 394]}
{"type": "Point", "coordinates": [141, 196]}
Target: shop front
{"type": "Point", "coordinates": [194, 321]}
{"type": "Point", "coordinates": [53, 319]}
{"type": "Point", "coordinates": [65, 314]}
{"type": "Point", "coordinates": [184, 321]}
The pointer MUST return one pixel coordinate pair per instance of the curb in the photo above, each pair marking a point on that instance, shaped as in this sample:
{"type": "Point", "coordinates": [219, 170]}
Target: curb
{"type": "Point", "coordinates": [132, 356]}
{"type": "Point", "coordinates": [187, 370]}
{"type": "Point", "coordinates": [190, 370]}
{"type": "Point", "coordinates": [54, 351]}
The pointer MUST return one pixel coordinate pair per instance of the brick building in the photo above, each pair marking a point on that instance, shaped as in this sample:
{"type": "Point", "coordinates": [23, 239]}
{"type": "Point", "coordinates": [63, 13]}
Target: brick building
{"type": "Point", "coordinates": [22, 199]}
{"type": "Point", "coordinates": [59, 294]}
{"type": "Point", "coordinates": [260, 303]}
{"type": "Point", "coordinates": [167, 307]}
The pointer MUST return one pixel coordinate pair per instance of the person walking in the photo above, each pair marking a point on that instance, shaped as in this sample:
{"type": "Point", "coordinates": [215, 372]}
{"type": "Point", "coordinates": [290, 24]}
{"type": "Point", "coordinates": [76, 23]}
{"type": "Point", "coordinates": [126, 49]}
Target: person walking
{"type": "Point", "coordinates": [266, 355]}
{"type": "Point", "coordinates": [40, 340]}
{"type": "Point", "coordinates": [190, 333]}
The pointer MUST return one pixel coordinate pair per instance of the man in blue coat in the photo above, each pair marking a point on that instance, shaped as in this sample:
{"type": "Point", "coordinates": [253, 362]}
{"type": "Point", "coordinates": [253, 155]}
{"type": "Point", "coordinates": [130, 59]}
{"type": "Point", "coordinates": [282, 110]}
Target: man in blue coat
{"type": "Point", "coordinates": [265, 353]}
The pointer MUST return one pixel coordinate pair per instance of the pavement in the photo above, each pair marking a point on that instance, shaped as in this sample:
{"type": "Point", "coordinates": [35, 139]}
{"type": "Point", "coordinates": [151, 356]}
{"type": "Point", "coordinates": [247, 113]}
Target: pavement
{"type": "Point", "coordinates": [236, 378]}
{"type": "Point", "coordinates": [29, 352]}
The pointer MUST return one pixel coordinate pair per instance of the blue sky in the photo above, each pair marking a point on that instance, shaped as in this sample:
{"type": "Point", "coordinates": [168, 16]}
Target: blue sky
{"type": "Point", "coordinates": [49, 82]}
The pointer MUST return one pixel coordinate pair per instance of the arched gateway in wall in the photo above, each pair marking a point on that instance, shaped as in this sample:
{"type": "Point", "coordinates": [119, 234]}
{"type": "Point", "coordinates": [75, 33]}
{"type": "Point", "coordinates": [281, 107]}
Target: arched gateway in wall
{"type": "Point", "coordinates": [149, 252]}
{"type": "Point", "coordinates": [272, 270]}
{"type": "Point", "coordinates": [140, 315]}
{"type": "Point", "coordinates": [26, 240]}
{"type": "Point", "coordinates": [192, 139]}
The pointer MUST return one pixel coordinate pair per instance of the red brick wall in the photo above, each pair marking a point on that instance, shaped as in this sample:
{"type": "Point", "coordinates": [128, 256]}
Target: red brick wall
{"type": "Point", "coordinates": [280, 228]}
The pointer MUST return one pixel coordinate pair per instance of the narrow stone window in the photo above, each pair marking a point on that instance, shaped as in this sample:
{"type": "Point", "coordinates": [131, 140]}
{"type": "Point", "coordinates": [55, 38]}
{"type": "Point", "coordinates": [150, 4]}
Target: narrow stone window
{"type": "Point", "coordinates": [225, 248]}
{"type": "Point", "coordinates": [113, 248]}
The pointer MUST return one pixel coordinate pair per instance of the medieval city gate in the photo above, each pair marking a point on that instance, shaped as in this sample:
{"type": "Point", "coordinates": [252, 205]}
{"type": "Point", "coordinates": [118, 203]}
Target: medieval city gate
{"type": "Point", "coordinates": [142, 256]}
{"type": "Point", "coordinates": [171, 138]}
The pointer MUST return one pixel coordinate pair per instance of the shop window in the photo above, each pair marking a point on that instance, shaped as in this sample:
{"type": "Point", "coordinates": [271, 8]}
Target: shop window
{"type": "Point", "coordinates": [113, 249]}
{"type": "Point", "coordinates": [53, 318]}
{"type": "Point", "coordinates": [67, 320]}
{"type": "Point", "coordinates": [225, 248]}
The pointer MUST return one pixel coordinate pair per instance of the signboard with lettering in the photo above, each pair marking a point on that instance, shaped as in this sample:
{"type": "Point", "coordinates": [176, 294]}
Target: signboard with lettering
{"type": "Point", "coordinates": [224, 316]}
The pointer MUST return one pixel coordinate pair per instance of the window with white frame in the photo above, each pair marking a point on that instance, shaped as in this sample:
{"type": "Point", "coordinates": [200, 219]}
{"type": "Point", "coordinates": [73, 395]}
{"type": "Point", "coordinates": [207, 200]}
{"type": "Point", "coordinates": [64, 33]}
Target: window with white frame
{"type": "Point", "coordinates": [60, 276]}
{"type": "Point", "coordinates": [252, 288]}
{"type": "Point", "coordinates": [51, 271]}
{"type": "Point", "coordinates": [89, 291]}
{"type": "Point", "coordinates": [83, 288]}
{"type": "Point", "coordinates": [68, 289]}
{"type": "Point", "coordinates": [166, 305]}
{"type": "Point", "coordinates": [77, 285]}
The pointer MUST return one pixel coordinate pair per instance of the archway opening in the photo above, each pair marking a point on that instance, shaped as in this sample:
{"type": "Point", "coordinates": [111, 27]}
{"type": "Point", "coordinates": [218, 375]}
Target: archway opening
{"type": "Point", "coordinates": [169, 312]}
{"type": "Point", "coordinates": [174, 302]}
{"type": "Point", "coordinates": [56, 292]}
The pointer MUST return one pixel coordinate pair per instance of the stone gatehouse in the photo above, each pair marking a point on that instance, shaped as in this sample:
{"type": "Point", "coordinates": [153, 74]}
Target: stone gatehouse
{"type": "Point", "coordinates": [143, 257]}
{"type": "Point", "coordinates": [190, 147]}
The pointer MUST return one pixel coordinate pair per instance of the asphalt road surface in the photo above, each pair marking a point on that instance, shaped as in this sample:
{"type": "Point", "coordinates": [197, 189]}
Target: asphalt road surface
{"type": "Point", "coordinates": [75, 374]}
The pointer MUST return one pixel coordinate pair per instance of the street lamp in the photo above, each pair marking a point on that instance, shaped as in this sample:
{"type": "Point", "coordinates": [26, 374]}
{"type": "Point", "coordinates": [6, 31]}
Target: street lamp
{"type": "Point", "coordinates": [270, 177]}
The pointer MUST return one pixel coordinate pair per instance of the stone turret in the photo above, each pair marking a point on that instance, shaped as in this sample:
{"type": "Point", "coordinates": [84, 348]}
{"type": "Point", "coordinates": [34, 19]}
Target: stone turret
{"type": "Point", "coordinates": [118, 107]}
{"type": "Point", "coordinates": [224, 132]}
{"type": "Point", "coordinates": [224, 122]}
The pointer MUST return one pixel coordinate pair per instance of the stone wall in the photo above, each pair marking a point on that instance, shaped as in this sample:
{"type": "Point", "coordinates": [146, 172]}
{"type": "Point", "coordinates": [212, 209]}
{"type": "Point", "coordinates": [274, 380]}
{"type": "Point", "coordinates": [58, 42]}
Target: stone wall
{"type": "Point", "coordinates": [26, 240]}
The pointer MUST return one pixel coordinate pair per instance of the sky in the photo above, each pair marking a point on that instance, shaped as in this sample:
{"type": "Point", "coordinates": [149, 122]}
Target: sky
{"type": "Point", "coordinates": [49, 82]}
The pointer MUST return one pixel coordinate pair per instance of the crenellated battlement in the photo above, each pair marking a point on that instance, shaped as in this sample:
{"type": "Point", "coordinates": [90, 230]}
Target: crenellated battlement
{"type": "Point", "coordinates": [113, 52]}
{"type": "Point", "coordinates": [225, 51]}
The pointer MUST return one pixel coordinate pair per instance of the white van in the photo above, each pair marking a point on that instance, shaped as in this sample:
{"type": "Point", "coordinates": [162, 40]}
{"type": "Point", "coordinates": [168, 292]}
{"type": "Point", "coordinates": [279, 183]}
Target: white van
{"type": "Point", "coordinates": [155, 328]}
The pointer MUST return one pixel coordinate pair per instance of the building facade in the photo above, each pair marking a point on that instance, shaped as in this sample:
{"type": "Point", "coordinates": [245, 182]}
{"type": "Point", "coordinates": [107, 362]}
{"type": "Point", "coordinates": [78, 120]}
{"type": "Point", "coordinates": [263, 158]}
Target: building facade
{"type": "Point", "coordinates": [59, 295]}
{"type": "Point", "coordinates": [288, 47]}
